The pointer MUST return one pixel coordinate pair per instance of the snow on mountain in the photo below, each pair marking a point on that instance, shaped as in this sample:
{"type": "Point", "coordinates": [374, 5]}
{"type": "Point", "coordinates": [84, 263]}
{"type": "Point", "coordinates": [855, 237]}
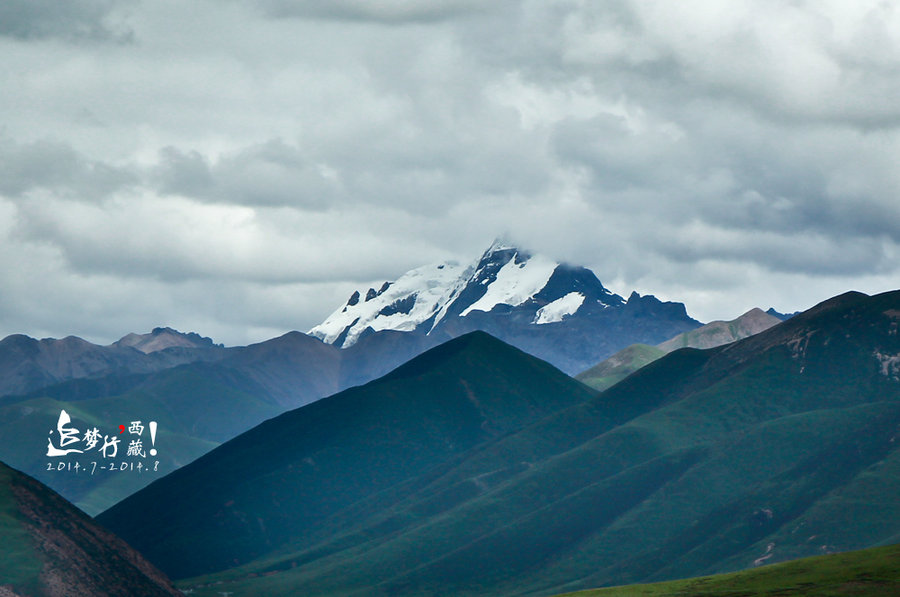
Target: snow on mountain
{"type": "Point", "coordinates": [402, 305]}
{"type": "Point", "coordinates": [559, 308]}
{"type": "Point", "coordinates": [558, 312]}
{"type": "Point", "coordinates": [542, 290]}
{"type": "Point", "coordinates": [516, 282]}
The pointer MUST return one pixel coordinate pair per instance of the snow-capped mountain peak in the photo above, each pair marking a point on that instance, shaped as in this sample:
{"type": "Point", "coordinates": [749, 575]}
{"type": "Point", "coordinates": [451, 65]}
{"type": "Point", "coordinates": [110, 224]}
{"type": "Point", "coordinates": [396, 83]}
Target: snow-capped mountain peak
{"type": "Point", "coordinates": [517, 280]}
{"type": "Point", "coordinates": [402, 305]}
{"type": "Point", "coordinates": [560, 308]}
{"type": "Point", "coordinates": [504, 279]}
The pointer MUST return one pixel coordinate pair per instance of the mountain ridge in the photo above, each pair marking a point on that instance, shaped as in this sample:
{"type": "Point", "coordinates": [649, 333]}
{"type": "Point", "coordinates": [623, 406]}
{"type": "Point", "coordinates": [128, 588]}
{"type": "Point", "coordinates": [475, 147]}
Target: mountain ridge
{"type": "Point", "coordinates": [161, 338]}
{"type": "Point", "coordinates": [692, 465]}
{"type": "Point", "coordinates": [28, 364]}
{"type": "Point", "coordinates": [503, 276]}
{"type": "Point", "coordinates": [450, 398]}
{"type": "Point", "coordinates": [713, 334]}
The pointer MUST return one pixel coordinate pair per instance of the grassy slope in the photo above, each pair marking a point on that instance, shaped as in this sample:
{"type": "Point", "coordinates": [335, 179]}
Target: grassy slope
{"type": "Point", "coordinates": [19, 564]}
{"type": "Point", "coordinates": [292, 475]}
{"type": "Point", "coordinates": [872, 572]}
{"type": "Point", "coordinates": [49, 547]}
{"type": "Point", "coordinates": [693, 465]}
{"type": "Point", "coordinates": [607, 373]}
{"type": "Point", "coordinates": [619, 366]}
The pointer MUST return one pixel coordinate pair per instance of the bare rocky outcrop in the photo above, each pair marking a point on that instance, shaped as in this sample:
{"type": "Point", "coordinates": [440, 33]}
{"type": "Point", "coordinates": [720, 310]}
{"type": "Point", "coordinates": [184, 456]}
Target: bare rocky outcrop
{"type": "Point", "coordinates": [718, 333]}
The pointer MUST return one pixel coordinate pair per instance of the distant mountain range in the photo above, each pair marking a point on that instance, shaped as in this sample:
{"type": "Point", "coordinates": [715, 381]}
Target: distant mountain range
{"type": "Point", "coordinates": [49, 548]}
{"type": "Point", "coordinates": [560, 313]}
{"type": "Point", "coordinates": [197, 404]}
{"type": "Point", "coordinates": [476, 469]}
{"type": "Point", "coordinates": [27, 364]}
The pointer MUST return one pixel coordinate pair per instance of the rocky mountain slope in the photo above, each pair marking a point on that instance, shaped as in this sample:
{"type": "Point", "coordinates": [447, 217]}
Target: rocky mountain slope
{"type": "Point", "coordinates": [28, 364]}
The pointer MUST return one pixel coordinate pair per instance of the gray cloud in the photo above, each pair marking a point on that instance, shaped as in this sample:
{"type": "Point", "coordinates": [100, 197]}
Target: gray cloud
{"type": "Point", "coordinates": [269, 174]}
{"type": "Point", "coordinates": [57, 167]}
{"type": "Point", "coordinates": [72, 20]}
{"type": "Point", "coordinates": [277, 154]}
{"type": "Point", "coordinates": [386, 11]}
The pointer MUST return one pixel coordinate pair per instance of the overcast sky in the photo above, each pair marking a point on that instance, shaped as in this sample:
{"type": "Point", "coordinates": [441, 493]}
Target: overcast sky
{"type": "Point", "coordinates": [237, 167]}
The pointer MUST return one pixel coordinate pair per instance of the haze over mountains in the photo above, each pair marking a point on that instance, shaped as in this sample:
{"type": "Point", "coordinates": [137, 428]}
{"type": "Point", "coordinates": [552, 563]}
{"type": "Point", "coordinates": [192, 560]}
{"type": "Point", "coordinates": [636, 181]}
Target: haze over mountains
{"type": "Point", "coordinates": [777, 446]}
{"type": "Point", "coordinates": [202, 394]}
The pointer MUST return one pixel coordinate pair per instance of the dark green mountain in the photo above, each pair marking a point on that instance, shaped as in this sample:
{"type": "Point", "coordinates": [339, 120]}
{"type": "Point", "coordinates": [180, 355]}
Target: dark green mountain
{"type": "Point", "coordinates": [50, 548]}
{"type": "Point", "coordinates": [201, 393]}
{"type": "Point", "coordinates": [779, 446]}
{"type": "Point", "coordinates": [288, 476]}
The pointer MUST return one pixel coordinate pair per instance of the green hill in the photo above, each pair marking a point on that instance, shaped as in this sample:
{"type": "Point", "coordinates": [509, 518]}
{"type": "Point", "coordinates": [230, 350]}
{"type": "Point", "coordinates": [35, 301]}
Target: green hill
{"type": "Point", "coordinates": [288, 476]}
{"type": "Point", "coordinates": [779, 446]}
{"type": "Point", "coordinates": [49, 547]}
{"type": "Point", "coordinates": [871, 572]}
{"type": "Point", "coordinates": [619, 366]}
{"type": "Point", "coordinates": [717, 333]}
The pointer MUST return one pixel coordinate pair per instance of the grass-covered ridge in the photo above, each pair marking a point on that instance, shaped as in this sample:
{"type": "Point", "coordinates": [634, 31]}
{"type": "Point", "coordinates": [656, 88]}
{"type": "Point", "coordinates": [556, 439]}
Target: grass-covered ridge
{"type": "Point", "coordinates": [871, 572]}
{"type": "Point", "coordinates": [48, 548]}
{"type": "Point", "coordinates": [619, 366]}
{"type": "Point", "coordinates": [695, 464]}
{"type": "Point", "coordinates": [292, 474]}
